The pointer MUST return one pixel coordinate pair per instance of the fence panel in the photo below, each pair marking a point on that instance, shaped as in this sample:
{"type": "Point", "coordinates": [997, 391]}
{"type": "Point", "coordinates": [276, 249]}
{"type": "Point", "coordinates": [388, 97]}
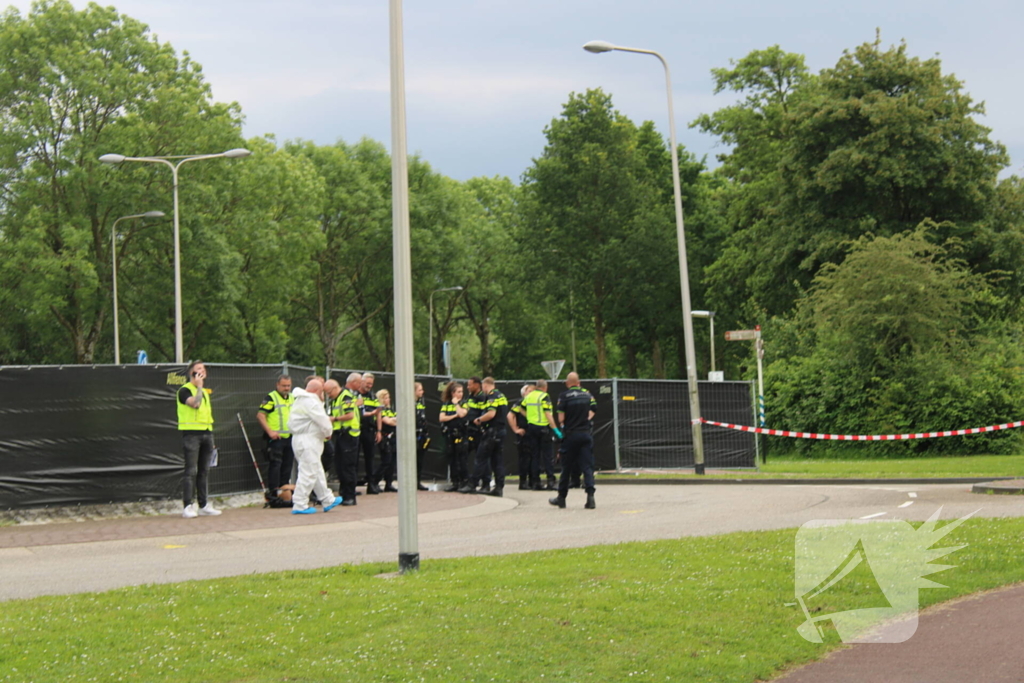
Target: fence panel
{"type": "Point", "coordinates": [655, 427]}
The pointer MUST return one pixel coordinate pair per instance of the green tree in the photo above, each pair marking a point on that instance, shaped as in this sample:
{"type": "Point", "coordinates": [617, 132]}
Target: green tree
{"type": "Point", "coordinates": [73, 85]}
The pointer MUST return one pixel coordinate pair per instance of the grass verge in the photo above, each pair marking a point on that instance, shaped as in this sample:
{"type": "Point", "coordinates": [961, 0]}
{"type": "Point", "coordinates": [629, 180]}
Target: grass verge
{"type": "Point", "coordinates": [692, 609]}
{"type": "Point", "coordinates": [963, 466]}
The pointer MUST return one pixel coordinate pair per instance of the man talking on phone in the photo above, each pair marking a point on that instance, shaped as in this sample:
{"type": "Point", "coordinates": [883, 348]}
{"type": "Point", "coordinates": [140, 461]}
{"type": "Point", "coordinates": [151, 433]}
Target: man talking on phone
{"type": "Point", "coordinates": [195, 422]}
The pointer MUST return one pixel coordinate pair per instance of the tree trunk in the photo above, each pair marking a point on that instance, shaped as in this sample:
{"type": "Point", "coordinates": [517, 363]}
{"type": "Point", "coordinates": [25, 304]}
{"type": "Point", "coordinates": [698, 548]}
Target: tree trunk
{"type": "Point", "coordinates": [658, 359]}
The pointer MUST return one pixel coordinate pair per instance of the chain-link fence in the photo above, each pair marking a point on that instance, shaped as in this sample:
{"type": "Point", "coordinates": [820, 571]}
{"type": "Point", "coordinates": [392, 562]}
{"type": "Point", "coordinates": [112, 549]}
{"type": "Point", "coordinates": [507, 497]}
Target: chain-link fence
{"type": "Point", "coordinates": [96, 434]}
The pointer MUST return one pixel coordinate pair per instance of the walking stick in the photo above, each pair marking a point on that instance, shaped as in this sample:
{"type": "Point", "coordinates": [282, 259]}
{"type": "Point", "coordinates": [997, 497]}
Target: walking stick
{"type": "Point", "coordinates": [251, 454]}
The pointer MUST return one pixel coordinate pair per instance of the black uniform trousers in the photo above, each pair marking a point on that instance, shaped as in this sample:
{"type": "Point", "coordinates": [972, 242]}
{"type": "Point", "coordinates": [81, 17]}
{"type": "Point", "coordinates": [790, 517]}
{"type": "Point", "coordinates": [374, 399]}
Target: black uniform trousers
{"type": "Point", "coordinates": [474, 438]}
{"type": "Point", "coordinates": [577, 454]}
{"type": "Point", "coordinates": [489, 458]}
{"type": "Point", "coordinates": [458, 468]}
{"type": "Point", "coordinates": [198, 447]}
{"type": "Point", "coordinates": [525, 453]}
{"type": "Point", "coordinates": [386, 469]}
{"type": "Point", "coordinates": [346, 459]}
{"type": "Point", "coordinates": [281, 457]}
{"type": "Point", "coordinates": [368, 442]}
{"type": "Point", "coordinates": [422, 444]}
{"type": "Point", "coordinates": [541, 453]}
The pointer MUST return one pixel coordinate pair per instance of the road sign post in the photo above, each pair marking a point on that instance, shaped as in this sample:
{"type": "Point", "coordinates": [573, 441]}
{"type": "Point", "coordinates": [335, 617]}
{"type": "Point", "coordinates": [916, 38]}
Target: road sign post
{"type": "Point", "coordinates": [754, 335]}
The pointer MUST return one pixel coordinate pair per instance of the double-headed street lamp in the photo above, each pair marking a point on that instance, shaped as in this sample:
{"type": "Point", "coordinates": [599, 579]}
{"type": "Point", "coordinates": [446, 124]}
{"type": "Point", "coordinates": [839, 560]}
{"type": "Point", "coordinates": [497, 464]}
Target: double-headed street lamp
{"type": "Point", "coordinates": [598, 46]}
{"type": "Point", "coordinates": [175, 162]}
{"type": "Point", "coordinates": [113, 269]}
{"type": "Point", "coordinates": [430, 300]}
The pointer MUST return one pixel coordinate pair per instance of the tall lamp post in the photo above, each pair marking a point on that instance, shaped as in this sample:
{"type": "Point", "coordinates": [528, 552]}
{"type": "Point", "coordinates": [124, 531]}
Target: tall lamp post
{"type": "Point", "coordinates": [598, 46]}
{"type": "Point", "coordinates": [430, 300]}
{"type": "Point", "coordinates": [113, 269]}
{"type": "Point", "coordinates": [710, 315]}
{"type": "Point", "coordinates": [175, 162]}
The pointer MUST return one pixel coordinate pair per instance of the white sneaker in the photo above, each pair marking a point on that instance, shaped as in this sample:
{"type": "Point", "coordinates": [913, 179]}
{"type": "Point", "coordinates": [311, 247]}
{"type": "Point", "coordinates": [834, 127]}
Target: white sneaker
{"type": "Point", "coordinates": [208, 510]}
{"type": "Point", "coordinates": [190, 511]}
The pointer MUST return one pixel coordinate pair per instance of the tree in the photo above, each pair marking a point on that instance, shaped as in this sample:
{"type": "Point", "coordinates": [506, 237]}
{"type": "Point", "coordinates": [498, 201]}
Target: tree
{"type": "Point", "coordinates": [73, 85]}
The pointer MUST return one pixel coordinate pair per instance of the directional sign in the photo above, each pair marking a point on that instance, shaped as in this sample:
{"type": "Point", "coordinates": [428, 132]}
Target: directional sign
{"type": "Point", "coordinates": [741, 335]}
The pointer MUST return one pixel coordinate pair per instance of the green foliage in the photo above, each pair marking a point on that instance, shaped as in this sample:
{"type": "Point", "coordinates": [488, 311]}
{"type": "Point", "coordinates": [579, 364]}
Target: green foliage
{"type": "Point", "coordinates": [890, 342]}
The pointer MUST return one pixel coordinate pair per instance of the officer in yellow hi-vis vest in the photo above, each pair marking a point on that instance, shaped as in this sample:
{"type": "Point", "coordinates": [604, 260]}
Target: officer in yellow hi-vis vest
{"type": "Point", "coordinates": [346, 419]}
{"type": "Point", "coordinates": [195, 422]}
{"type": "Point", "coordinates": [273, 417]}
{"type": "Point", "coordinates": [540, 425]}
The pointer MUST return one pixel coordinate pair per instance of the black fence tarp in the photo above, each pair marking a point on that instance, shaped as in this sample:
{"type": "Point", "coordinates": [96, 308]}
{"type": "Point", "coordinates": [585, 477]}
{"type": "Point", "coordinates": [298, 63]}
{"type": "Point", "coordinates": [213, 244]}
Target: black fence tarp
{"type": "Point", "coordinates": [79, 434]}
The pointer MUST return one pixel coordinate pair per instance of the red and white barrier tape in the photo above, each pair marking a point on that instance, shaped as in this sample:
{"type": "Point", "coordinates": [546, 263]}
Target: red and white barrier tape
{"type": "Point", "coordinates": [864, 437]}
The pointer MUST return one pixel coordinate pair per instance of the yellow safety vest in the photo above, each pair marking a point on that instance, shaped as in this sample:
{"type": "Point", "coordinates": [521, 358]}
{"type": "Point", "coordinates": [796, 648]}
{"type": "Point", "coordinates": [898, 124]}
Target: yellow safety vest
{"type": "Point", "coordinates": [277, 420]}
{"type": "Point", "coordinates": [346, 403]}
{"type": "Point", "coordinates": [536, 404]}
{"type": "Point", "coordinates": [196, 419]}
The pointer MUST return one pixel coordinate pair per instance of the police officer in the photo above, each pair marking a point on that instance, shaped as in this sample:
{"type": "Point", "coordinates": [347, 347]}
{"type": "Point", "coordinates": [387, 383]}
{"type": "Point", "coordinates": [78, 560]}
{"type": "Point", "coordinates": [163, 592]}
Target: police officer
{"type": "Point", "coordinates": [346, 419]}
{"type": "Point", "coordinates": [387, 422]}
{"type": "Point", "coordinates": [273, 418]}
{"type": "Point", "coordinates": [576, 408]}
{"type": "Point", "coordinates": [369, 436]}
{"type": "Point", "coordinates": [540, 425]}
{"type": "Point", "coordinates": [453, 426]}
{"type": "Point", "coordinates": [422, 435]}
{"type": "Point", "coordinates": [489, 456]}
{"type": "Point", "coordinates": [195, 423]}
{"type": "Point", "coordinates": [517, 423]}
{"type": "Point", "coordinates": [474, 433]}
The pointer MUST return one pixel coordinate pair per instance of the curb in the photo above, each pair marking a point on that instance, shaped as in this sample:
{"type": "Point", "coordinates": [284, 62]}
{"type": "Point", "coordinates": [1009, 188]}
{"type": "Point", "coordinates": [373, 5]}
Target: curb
{"type": "Point", "coordinates": [810, 482]}
{"type": "Point", "coordinates": [1013, 486]}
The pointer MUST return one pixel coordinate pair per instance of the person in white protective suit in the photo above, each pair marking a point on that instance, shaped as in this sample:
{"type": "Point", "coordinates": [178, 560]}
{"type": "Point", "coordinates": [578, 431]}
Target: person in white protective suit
{"type": "Point", "coordinates": [309, 425]}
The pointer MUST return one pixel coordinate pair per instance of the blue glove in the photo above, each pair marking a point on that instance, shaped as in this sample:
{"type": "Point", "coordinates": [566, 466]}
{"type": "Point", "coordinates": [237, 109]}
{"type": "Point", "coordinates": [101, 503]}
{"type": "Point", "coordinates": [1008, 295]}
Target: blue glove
{"type": "Point", "coordinates": [558, 432]}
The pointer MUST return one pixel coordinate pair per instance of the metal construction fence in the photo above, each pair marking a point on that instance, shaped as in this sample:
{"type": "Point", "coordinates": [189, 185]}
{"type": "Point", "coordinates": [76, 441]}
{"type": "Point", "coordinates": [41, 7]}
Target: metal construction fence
{"type": "Point", "coordinates": [86, 434]}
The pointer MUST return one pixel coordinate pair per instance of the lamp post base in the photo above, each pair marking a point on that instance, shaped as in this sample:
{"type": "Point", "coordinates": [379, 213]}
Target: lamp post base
{"type": "Point", "coordinates": [408, 562]}
{"type": "Point", "coordinates": [698, 469]}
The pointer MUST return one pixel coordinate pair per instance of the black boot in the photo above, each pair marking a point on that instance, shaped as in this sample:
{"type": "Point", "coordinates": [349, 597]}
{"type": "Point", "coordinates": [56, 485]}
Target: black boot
{"type": "Point", "coordinates": [372, 489]}
{"type": "Point", "coordinates": [496, 492]}
{"type": "Point", "coordinates": [590, 505]}
{"type": "Point", "coordinates": [552, 485]}
{"type": "Point", "coordinates": [467, 488]}
{"type": "Point", "coordinates": [453, 487]}
{"type": "Point", "coordinates": [557, 501]}
{"type": "Point", "coordinates": [522, 485]}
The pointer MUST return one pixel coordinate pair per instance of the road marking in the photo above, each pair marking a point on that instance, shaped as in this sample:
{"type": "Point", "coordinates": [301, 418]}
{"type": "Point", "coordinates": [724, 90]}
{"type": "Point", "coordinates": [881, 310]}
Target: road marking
{"type": "Point", "coordinates": [907, 504]}
{"type": "Point", "coordinates": [877, 514]}
{"type": "Point", "coordinates": [912, 494]}
{"type": "Point", "coordinates": [173, 547]}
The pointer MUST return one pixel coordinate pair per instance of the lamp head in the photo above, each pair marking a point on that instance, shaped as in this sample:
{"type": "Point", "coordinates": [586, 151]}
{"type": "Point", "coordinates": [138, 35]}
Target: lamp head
{"type": "Point", "coordinates": [702, 314]}
{"type": "Point", "coordinates": [237, 153]}
{"type": "Point", "coordinates": [112, 158]}
{"type": "Point", "coordinates": [597, 46]}
{"type": "Point", "coordinates": [153, 214]}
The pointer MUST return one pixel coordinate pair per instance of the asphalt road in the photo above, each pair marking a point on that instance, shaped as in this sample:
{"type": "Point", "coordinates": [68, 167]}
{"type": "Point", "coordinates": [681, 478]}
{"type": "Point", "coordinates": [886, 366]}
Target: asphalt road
{"type": "Point", "coordinates": [76, 557]}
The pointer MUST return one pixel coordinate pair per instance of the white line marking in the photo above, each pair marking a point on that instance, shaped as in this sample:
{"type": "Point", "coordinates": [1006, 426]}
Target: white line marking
{"type": "Point", "coordinates": [907, 504]}
{"type": "Point", "coordinates": [877, 514]}
{"type": "Point", "coordinates": [912, 494]}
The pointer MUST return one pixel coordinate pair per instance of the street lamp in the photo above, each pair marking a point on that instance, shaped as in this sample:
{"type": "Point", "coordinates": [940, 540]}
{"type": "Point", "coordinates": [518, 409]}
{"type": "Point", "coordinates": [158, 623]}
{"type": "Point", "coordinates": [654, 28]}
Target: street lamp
{"type": "Point", "coordinates": [113, 269]}
{"type": "Point", "coordinates": [598, 46]}
{"type": "Point", "coordinates": [430, 300]}
{"type": "Point", "coordinates": [179, 351]}
{"type": "Point", "coordinates": [710, 315]}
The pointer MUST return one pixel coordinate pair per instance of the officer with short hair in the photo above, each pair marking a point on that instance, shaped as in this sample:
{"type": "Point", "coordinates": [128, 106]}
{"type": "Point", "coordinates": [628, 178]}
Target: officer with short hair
{"type": "Point", "coordinates": [422, 435]}
{"type": "Point", "coordinates": [489, 456]}
{"type": "Point", "coordinates": [346, 419]}
{"type": "Point", "coordinates": [576, 409]}
{"type": "Point", "coordinates": [273, 418]}
{"type": "Point", "coordinates": [474, 433]}
{"type": "Point", "coordinates": [540, 425]}
{"type": "Point", "coordinates": [369, 436]}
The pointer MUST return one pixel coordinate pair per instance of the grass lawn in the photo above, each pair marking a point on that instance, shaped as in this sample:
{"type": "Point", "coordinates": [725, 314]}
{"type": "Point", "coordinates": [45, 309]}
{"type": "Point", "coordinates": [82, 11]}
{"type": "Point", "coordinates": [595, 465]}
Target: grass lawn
{"type": "Point", "coordinates": [693, 609]}
{"type": "Point", "coordinates": [963, 466]}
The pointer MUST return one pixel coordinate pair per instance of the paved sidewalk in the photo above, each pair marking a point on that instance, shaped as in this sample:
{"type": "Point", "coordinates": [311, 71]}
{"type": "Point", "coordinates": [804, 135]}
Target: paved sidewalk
{"type": "Point", "coordinates": [977, 638]}
{"type": "Point", "coordinates": [240, 519]}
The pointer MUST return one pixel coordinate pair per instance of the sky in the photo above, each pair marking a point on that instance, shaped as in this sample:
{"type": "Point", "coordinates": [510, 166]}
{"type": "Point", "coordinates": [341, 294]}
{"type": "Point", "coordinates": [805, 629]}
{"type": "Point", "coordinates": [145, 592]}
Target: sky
{"type": "Point", "coordinates": [484, 78]}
